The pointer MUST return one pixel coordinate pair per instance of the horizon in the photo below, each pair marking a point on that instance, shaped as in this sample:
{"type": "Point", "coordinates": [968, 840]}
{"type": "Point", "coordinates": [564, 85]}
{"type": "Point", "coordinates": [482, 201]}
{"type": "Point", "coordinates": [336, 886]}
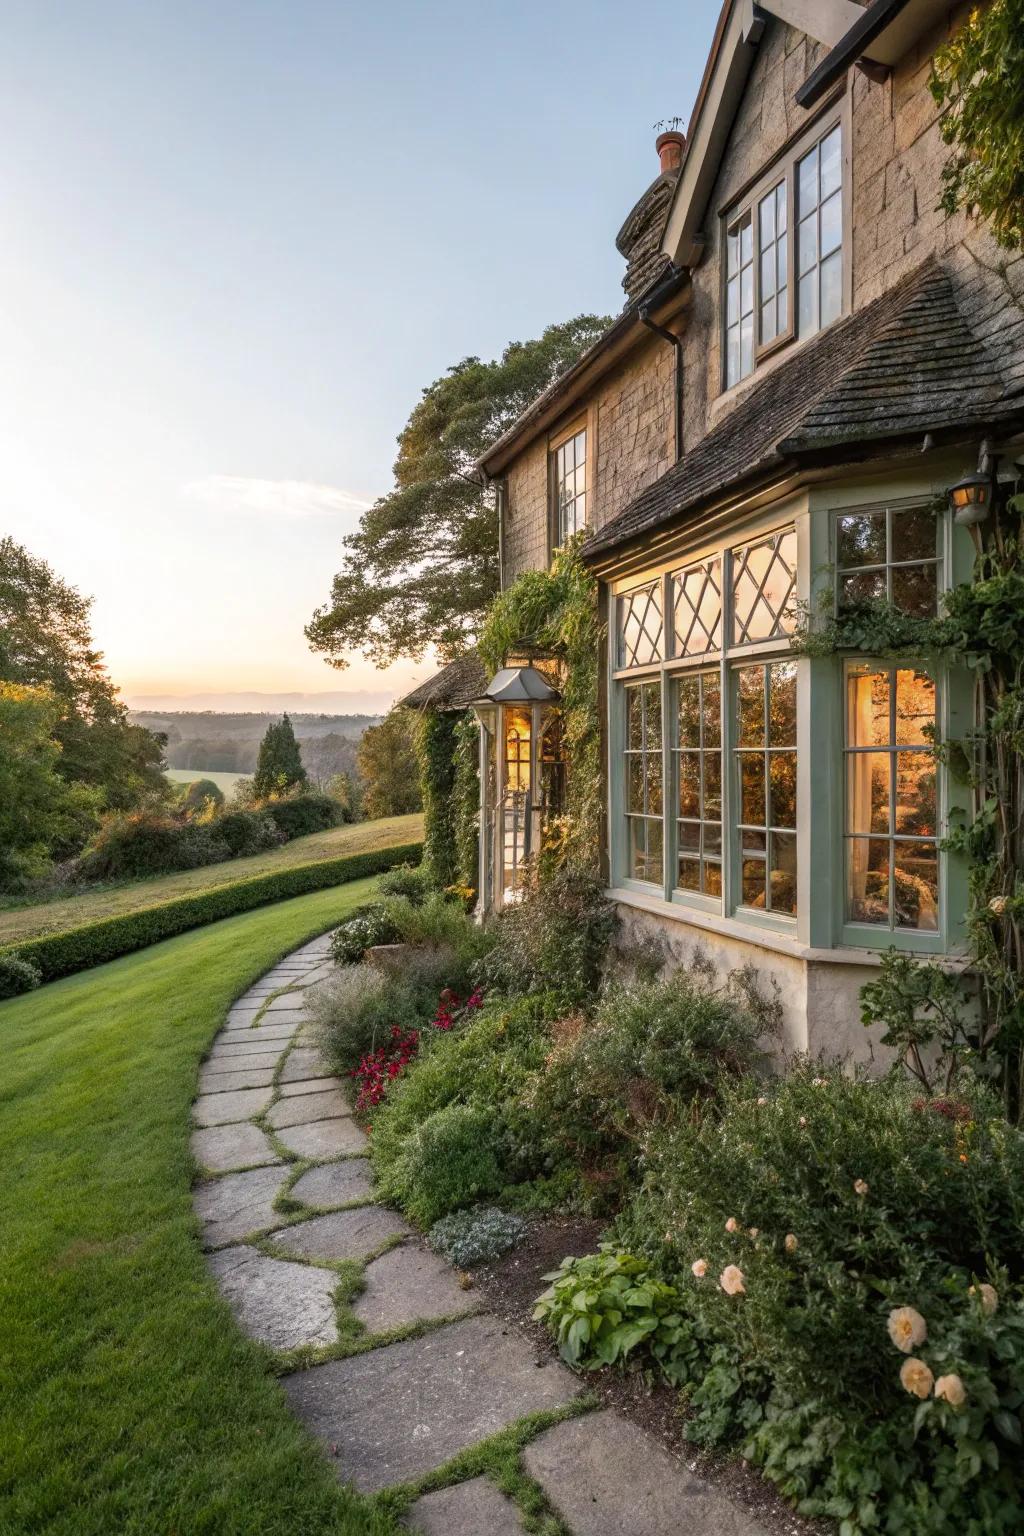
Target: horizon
{"type": "Point", "coordinates": [220, 222]}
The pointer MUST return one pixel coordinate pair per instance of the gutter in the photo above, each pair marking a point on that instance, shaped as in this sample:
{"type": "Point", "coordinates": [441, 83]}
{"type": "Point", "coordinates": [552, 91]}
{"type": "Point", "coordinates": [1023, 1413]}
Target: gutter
{"type": "Point", "coordinates": [876, 18]}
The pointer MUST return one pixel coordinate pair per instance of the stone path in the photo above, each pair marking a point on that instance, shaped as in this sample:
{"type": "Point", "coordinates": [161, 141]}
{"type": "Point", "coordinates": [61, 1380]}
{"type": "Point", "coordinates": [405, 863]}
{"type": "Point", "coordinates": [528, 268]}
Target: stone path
{"type": "Point", "coordinates": [417, 1373]}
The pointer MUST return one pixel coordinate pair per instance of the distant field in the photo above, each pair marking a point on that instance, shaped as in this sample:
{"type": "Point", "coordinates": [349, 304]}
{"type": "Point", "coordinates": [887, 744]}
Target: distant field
{"type": "Point", "coordinates": [224, 781]}
{"type": "Point", "coordinates": [27, 922]}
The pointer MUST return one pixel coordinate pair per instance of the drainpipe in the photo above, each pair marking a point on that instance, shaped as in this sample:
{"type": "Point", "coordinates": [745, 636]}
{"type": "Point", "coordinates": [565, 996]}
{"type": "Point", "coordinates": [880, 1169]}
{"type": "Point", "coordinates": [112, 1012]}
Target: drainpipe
{"type": "Point", "coordinates": [500, 487]}
{"type": "Point", "coordinates": [644, 315]}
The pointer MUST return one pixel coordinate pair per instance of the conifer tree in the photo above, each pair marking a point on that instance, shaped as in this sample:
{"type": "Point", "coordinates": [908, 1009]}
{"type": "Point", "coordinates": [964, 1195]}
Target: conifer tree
{"type": "Point", "coordinates": [279, 765]}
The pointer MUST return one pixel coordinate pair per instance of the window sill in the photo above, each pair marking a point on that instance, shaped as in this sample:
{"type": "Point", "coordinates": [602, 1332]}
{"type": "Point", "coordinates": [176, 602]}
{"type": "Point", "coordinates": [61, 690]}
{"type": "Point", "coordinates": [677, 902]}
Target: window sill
{"type": "Point", "coordinates": [763, 938]}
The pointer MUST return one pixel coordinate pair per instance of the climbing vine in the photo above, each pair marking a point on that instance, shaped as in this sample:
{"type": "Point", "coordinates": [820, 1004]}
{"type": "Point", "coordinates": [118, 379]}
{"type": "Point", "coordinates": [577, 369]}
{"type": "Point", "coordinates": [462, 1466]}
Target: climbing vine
{"type": "Point", "coordinates": [466, 798]}
{"type": "Point", "coordinates": [981, 628]}
{"type": "Point", "coordinates": [435, 745]}
{"type": "Point", "coordinates": [554, 614]}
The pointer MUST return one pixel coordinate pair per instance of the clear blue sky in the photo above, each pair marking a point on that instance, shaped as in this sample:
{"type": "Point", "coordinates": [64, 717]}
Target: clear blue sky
{"type": "Point", "coordinates": [236, 239]}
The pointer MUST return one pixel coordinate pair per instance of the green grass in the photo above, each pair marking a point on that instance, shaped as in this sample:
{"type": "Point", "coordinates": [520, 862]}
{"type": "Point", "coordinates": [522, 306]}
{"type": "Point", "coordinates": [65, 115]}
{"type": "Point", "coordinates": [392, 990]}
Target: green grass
{"type": "Point", "coordinates": [224, 781]}
{"type": "Point", "coordinates": [129, 1401]}
{"type": "Point", "coordinates": [18, 923]}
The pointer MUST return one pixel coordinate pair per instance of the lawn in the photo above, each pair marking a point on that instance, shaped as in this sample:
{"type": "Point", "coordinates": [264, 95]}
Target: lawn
{"type": "Point", "coordinates": [129, 1401]}
{"type": "Point", "coordinates": [224, 781]}
{"type": "Point", "coordinates": [28, 922]}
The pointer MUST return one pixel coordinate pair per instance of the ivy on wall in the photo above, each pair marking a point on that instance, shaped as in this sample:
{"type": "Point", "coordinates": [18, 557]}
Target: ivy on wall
{"type": "Point", "coordinates": [436, 750]}
{"type": "Point", "coordinates": [554, 614]}
{"type": "Point", "coordinates": [466, 798]}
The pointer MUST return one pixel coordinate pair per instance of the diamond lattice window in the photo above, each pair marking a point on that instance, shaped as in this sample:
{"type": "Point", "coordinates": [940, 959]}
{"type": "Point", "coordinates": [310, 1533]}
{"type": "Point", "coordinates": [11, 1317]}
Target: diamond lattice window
{"type": "Point", "coordinates": [697, 608]}
{"type": "Point", "coordinates": [641, 626]}
{"type": "Point", "coordinates": [764, 588]}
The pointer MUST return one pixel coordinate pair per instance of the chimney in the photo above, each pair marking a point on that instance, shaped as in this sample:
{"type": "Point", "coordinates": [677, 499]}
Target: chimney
{"type": "Point", "coordinates": [670, 148]}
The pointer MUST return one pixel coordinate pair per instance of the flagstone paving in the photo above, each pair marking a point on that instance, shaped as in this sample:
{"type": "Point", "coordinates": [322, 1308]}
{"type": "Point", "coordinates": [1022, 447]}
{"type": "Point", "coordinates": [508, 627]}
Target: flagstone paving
{"type": "Point", "coordinates": [391, 1410]}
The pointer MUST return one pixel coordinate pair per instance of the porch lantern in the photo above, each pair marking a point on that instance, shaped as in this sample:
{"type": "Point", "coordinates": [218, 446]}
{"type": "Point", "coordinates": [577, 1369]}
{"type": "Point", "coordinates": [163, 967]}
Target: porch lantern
{"type": "Point", "coordinates": [516, 713]}
{"type": "Point", "coordinates": [971, 499]}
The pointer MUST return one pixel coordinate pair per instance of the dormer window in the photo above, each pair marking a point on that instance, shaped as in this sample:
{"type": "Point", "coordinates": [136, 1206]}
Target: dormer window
{"type": "Point", "coordinates": [783, 256]}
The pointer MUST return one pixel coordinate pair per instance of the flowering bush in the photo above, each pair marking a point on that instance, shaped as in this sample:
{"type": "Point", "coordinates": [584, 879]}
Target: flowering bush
{"type": "Point", "coordinates": [378, 1070]}
{"type": "Point", "coordinates": [449, 1161]}
{"type": "Point", "coordinates": [553, 941]}
{"type": "Point", "coordinates": [468, 1238]}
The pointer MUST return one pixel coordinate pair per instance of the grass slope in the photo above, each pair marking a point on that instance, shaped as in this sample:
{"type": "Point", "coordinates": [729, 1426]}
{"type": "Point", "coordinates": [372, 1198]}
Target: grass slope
{"type": "Point", "coordinates": [28, 922]}
{"type": "Point", "coordinates": [129, 1402]}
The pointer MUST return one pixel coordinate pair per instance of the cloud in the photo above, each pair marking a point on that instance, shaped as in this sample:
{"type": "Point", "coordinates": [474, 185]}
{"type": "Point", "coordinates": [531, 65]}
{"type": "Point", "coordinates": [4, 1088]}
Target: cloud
{"type": "Point", "coordinates": [238, 495]}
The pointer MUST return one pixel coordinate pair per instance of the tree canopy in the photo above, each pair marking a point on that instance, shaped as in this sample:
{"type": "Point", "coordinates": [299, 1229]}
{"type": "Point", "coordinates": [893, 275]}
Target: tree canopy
{"type": "Point", "coordinates": [39, 812]}
{"type": "Point", "coordinates": [978, 76]}
{"type": "Point", "coordinates": [387, 763]}
{"type": "Point", "coordinates": [46, 642]}
{"type": "Point", "coordinates": [279, 765]}
{"type": "Point", "coordinates": [423, 564]}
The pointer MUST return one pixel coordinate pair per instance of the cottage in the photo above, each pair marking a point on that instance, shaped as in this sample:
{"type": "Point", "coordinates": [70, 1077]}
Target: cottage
{"type": "Point", "coordinates": [811, 356]}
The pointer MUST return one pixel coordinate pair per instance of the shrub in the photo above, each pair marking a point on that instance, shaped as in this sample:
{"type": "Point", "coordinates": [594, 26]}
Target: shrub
{"type": "Point", "coordinates": [299, 815]}
{"type": "Point", "coordinates": [247, 832]}
{"type": "Point", "coordinates": [76, 949]}
{"type": "Point", "coordinates": [431, 924]}
{"type": "Point", "coordinates": [17, 976]}
{"type": "Point", "coordinates": [449, 1161]}
{"type": "Point", "coordinates": [135, 844]}
{"type": "Point", "coordinates": [468, 1238]}
{"type": "Point", "coordinates": [555, 940]}
{"type": "Point", "coordinates": [408, 881]}
{"type": "Point", "coordinates": [362, 931]}
{"type": "Point", "coordinates": [354, 1013]}
{"type": "Point", "coordinates": [200, 794]}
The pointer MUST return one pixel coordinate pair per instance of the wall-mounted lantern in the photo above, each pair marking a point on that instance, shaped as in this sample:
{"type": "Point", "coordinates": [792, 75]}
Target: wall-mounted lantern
{"type": "Point", "coordinates": [972, 497]}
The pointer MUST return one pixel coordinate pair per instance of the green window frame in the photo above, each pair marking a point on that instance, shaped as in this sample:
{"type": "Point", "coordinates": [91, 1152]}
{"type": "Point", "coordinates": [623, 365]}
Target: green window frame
{"type": "Point", "coordinates": [765, 778]}
{"type": "Point", "coordinates": [644, 794]}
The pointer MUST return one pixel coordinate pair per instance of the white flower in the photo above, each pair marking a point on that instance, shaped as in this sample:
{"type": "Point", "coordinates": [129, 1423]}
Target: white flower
{"type": "Point", "coordinates": [731, 1280]}
{"type": "Point", "coordinates": [860, 1187]}
{"type": "Point", "coordinates": [988, 1296]}
{"type": "Point", "coordinates": [916, 1377]}
{"type": "Point", "coordinates": [997, 906]}
{"type": "Point", "coordinates": [951, 1389]}
{"type": "Point", "coordinates": [732, 1225]}
{"type": "Point", "coordinates": [791, 1245]}
{"type": "Point", "coordinates": [907, 1328]}
{"type": "Point", "coordinates": [803, 1119]}
{"type": "Point", "coordinates": [699, 1267]}
{"type": "Point", "coordinates": [762, 1101]}
{"type": "Point", "coordinates": [753, 1233]}
{"type": "Point", "coordinates": [818, 1082]}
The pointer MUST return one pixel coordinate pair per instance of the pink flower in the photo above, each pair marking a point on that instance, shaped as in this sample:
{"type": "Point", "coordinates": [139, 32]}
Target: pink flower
{"type": "Point", "coordinates": [907, 1328]}
{"type": "Point", "coordinates": [951, 1389]}
{"type": "Point", "coordinates": [731, 1280]}
{"type": "Point", "coordinates": [699, 1268]}
{"type": "Point", "coordinates": [916, 1377]}
{"type": "Point", "coordinates": [790, 1243]}
{"type": "Point", "coordinates": [732, 1225]}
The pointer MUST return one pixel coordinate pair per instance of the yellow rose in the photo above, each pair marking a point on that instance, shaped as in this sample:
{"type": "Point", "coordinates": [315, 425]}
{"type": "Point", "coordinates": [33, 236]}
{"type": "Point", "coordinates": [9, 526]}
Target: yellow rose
{"type": "Point", "coordinates": [916, 1377]}
{"type": "Point", "coordinates": [731, 1280]}
{"type": "Point", "coordinates": [791, 1245]}
{"type": "Point", "coordinates": [951, 1389]}
{"type": "Point", "coordinates": [907, 1328]}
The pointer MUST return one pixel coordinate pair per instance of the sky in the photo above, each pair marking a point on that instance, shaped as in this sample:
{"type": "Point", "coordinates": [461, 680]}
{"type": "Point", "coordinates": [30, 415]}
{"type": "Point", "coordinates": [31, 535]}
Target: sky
{"type": "Point", "coordinates": [238, 239]}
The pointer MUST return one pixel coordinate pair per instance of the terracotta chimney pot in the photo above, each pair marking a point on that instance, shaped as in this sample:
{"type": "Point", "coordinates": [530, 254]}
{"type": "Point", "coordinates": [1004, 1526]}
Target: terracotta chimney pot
{"type": "Point", "coordinates": [670, 148]}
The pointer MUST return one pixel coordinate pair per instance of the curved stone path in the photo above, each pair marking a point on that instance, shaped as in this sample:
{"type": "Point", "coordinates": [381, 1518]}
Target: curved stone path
{"type": "Point", "coordinates": [409, 1373]}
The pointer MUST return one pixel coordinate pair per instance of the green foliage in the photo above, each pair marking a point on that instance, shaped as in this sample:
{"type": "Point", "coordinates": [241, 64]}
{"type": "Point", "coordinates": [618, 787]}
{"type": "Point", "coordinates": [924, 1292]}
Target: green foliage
{"type": "Point", "coordinates": [554, 941]}
{"type": "Point", "coordinates": [448, 1161]}
{"type": "Point", "coordinates": [604, 1307]}
{"type": "Point", "coordinates": [466, 800]}
{"type": "Point", "coordinates": [362, 931]}
{"type": "Point", "coordinates": [279, 764]}
{"type": "Point", "coordinates": [436, 747]}
{"type": "Point", "coordinates": [978, 77]}
{"type": "Point", "coordinates": [247, 832]}
{"type": "Point", "coordinates": [554, 613]}
{"type": "Point", "coordinates": [432, 923]}
{"type": "Point", "coordinates": [131, 845]}
{"type": "Point", "coordinates": [355, 1012]}
{"type": "Point", "coordinates": [39, 813]}
{"type": "Point", "coordinates": [45, 642]}
{"type": "Point", "coordinates": [423, 565]}
{"type": "Point", "coordinates": [922, 1010]}
{"type": "Point", "coordinates": [407, 881]}
{"type": "Point", "coordinates": [17, 976]}
{"type": "Point", "coordinates": [77, 949]}
{"type": "Point", "coordinates": [202, 794]}
{"type": "Point", "coordinates": [469, 1238]}
{"type": "Point", "coordinates": [876, 627]}
{"type": "Point", "coordinates": [387, 763]}
{"type": "Point", "coordinates": [299, 814]}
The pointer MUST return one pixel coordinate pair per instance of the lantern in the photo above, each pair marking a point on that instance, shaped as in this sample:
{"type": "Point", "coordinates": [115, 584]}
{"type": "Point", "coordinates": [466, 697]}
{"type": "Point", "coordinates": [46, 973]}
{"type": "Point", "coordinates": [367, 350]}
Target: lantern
{"type": "Point", "coordinates": [518, 715]}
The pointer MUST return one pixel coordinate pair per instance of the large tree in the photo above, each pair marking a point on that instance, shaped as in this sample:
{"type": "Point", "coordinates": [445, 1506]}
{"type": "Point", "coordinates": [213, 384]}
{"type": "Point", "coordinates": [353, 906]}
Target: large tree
{"type": "Point", "coordinates": [423, 564]}
{"type": "Point", "coordinates": [388, 767]}
{"type": "Point", "coordinates": [279, 765]}
{"type": "Point", "coordinates": [40, 814]}
{"type": "Point", "coordinates": [46, 642]}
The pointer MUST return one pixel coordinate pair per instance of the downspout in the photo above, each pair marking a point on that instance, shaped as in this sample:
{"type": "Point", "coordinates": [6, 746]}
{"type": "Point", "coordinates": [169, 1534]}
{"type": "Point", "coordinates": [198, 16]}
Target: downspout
{"type": "Point", "coordinates": [644, 316]}
{"type": "Point", "coordinates": [500, 486]}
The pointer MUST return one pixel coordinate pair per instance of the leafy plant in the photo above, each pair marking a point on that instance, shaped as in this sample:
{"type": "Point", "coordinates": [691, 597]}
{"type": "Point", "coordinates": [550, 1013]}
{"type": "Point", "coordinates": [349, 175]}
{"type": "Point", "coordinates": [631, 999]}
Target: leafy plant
{"type": "Point", "coordinates": [449, 1161]}
{"type": "Point", "coordinates": [922, 1009]}
{"type": "Point", "coordinates": [368, 927]}
{"type": "Point", "coordinates": [17, 976]}
{"type": "Point", "coordinates": [469, 1238]}
{"type": "Point", "coordinates": [555, 940]}
{"type": "Point", "coordinates": [407, 881]}
{"type": "Point", "coordinates": [279, 763]}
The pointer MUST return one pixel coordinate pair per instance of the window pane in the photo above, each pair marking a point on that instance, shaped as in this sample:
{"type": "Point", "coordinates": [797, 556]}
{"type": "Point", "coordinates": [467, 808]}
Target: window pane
{"type": "Point", "coordinates": [689, 784]}
{"type": "Point", "coordinates": [746, 242]}
{"type": "Point", "coordinates": [712, 710]}
{"type": "Point", "coordinates": [915, 794]}
{"type": "Point", "coordinates": [634, 719]}
{"type": "Point", "coordinates": [746, 345]}
{"type": "Point", "coordinates": [652, 716]}
{"type": "Point", "coordinates": [914, 534]}
{"type": "Point", "coordinates": [766, 220]}
{"type": "Point", "coordinates": [752, 789]}
{"type": "Point", "coordinates": [713, 784]}
{"type": "Point", "coordinates": [750, 686]}
{"type": "Point", "coordinates": [808, 304]}
{"type": "Point", "coordinates": [861, 588]}
{"type": "Point", "coordinates": [831, 288]}
{"type": "Point", "coordinates": [768, 272]}
{"type": "Point", "coordinates": [782, 704]}
{"type": "Point", "coordinates": [782, 779]}
{"type": "Point", "coordinates": [861, 539]}
{"type": "Point", "coordinates": [916, 886]}
{"type": "Point", "coordinates": [689, 837]}
{"type": "Point", "coordinates": [712, 838]}
{"type": "Point", "coordinates": [698, 608]}
{"type": "Point", "coordinates": [831, 163]}
{"type": "Point", "coordinates": [808, 242]}
{"type": "Point", "coordinates": [689, 712]}
{"type": "Point", "coordinates": [689, 874]}
{"type": "Point", "coordinates": [868, 779]}
{"type": "Point", "coordinates": [868, 880]}
{"type": "Point", "coordinates": [732, 301]}
{"type": "Point", "coordinates": [782, 308]}
{"type": "Point", "coordinates": [753, 882]}
{"type": "Point", "coordinates": [868, 708]}
{"type": "Point", "coordinates": [915, 589]}
{"type": "Point", "coordinates": [764, 580]}
{"type": "Point", "coordinates": [712, 879]}
{"type": "Point", "coordinates": [780, 206]}
{"type": "Point", "coordinates": [733, 250]}
{"type": "Point", "coordinates": [635, 783]}
{"type": "Point", "coordinates": [832, 224]}
{"type": "Point", "coordinates": [783, 872]}
{"type": "Point", "coordinates": [652, 761]}
{"type": "Point", "coordinates": [768, 329]}
{"type": "Point", "coordinates": [915, 708]}
{"type": "Point", "coordinates": [732, 365]}
{"type": "Point", "coordinates": [655, 852]}
{"type": "Point", "coordinates": [641, 626]}
{"type": "Point", "coordinates": [807, 181]}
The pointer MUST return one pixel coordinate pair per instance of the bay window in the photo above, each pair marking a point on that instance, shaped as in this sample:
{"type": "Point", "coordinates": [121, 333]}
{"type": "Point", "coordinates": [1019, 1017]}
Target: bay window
{"type": "Point", "coordinates": [698, 753]}
{"type": "Point", "coordinates": [766, 777]}
{"type": "Point", "coordinates": [644, 781]}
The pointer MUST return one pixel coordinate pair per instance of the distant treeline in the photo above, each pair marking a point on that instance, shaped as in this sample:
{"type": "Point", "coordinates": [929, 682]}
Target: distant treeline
{"type": "Point", "coordinates": [230, 743]}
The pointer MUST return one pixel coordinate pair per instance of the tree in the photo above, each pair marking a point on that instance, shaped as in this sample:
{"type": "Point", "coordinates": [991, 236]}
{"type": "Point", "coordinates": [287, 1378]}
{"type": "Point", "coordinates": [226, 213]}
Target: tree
{"type": "Point", "coordinates": [388, 767]}
{"type": "Point", "coordinates": [201, 793]}
{"type": "Point", "coordinates": [46, 642]}
{"type": "Point", "coordinates": [39, 812]}
{"type": "Point", "coordinates": [978, 76]}
{"type": "Point", "coordinates": [279, 765]}
{"type": "Point", "coordinates": [423, 564]}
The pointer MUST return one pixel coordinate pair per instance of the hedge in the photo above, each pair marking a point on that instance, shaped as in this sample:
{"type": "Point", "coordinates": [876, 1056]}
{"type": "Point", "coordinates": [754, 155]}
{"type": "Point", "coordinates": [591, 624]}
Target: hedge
{"type": "Point", "coordinates": [76, 949]}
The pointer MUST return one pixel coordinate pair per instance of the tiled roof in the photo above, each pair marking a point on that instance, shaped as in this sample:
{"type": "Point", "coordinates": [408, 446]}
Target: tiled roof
{"type": "Point", "coordinates": [904, 365]}
{"type": "Point", "coordinates": [454, 687]}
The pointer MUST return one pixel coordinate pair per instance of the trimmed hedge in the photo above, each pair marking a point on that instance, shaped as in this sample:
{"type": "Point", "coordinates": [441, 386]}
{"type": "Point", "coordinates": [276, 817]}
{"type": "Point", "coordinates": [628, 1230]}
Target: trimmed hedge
{"type": "Point", "coordinates": [76, 949]}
